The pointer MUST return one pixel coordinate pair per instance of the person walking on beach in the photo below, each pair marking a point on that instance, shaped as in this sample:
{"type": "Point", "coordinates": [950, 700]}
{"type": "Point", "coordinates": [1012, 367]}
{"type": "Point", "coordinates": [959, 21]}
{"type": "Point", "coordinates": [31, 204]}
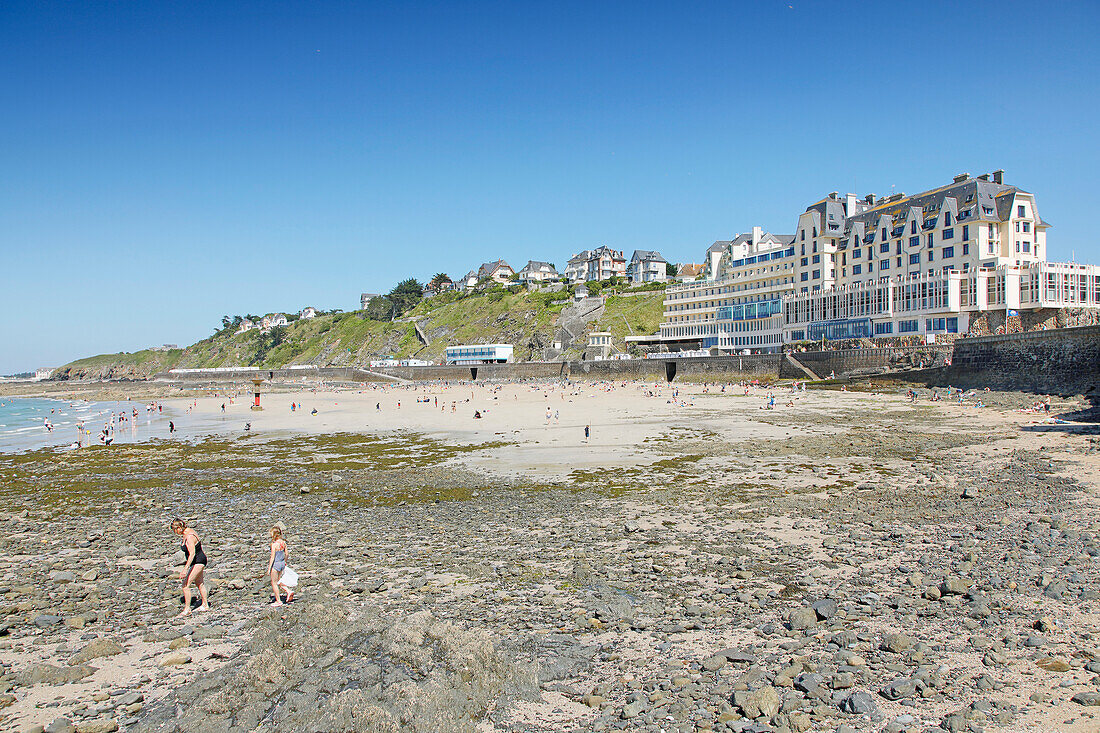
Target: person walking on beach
{"type": "Point", "coordinates": [193, 566]}
{"type": "Point", "coordinates": [276, 564]}
{"type": "Point", "coordinates": [171, 427]}
{"type": "Point", "coordinates": [587, 432]}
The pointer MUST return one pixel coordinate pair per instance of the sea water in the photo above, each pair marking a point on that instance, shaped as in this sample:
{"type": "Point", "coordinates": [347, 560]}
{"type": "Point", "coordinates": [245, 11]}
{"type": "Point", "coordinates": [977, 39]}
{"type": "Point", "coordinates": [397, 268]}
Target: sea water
{"type": "Point", "coordinates": [23, 422]}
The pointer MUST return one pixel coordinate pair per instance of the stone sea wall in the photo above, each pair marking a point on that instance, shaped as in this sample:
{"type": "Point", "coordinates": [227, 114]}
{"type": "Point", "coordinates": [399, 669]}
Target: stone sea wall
{"type": "Point", "coordinates": [1064, 362]}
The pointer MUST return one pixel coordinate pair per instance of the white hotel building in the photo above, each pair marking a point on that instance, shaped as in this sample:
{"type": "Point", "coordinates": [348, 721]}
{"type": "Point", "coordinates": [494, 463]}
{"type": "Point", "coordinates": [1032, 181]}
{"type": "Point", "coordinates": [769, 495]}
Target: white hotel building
{"type": "Point", "coordinates": [923, 265]}
{"type": "Point", "coordinates": [737, 305]}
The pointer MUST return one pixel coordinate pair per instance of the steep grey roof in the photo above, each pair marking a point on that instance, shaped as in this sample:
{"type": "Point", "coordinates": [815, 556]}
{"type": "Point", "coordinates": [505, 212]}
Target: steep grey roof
{"type": "Point", "coordinates": [645, 255]}
{"type": "Point", "coordinates": [533, 265]}
{"type": "Point", "coordinates": [487, 269]}
{"type": "Point", "coordinates": [970, 196]}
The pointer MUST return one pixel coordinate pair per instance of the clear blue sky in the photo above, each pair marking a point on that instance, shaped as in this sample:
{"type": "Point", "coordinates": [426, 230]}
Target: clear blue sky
{"type": "Point", "coordinates": [163, 164]}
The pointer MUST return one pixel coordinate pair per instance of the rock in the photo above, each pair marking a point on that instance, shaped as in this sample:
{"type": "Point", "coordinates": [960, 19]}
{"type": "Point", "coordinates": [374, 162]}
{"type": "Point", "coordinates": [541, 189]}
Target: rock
{"type": "Point", "coordinates": [44, 620]}
{"type": "Point", "coordinates": [61, 725]}
{"type": "Point", "coordinates": [1090, 698]}
{"type": "Point", "coordinates": [954, 585]}
{"type": "Point", "coordinates": [61, 576]}
{"type": "Point", "coordinates": [51, 675]}
{"type": "Point", "coordinates": [900, 688]}
{"type": "Point", "coordinates": [126, 551]}
{"type": "Point", "coordinates": [738, 656]}
{"type": "Point", "coordinates": [898, 643]}
{"type": "Point", "coordinates": [97, 725]}
{"type": "Point", "coordinates": [715, 663]}
{"type": "Point", "coordinates": [1054, 664]}
{"type": "Point", "coordinates": [1056, 589]}
{"type": "Point", "coordinates": [173, 659]}
{"type": "Point", "coordinates": [1046, 625]}
{"type": "Point", "coordinates": [825, 608]}
{"type": "Point", "coordinates": [970, 492]}
{"type": "Point", "coordinates": [633, 709]}
{"type": "Point", "coordinates": [90, 575]}
{"type": "Point", "coordinates": [593, 701]}
{"type": "Point", "coordinates": [303, 490]}
{"type": "Point", "coordinates": [758, 703]}
{"type": "Point", "coordinates": [802, 618]}
{"type": "Point", "coordinates": [96, 649]}
{"type": "Point", "coordinates": [859, 703]}
{"type": "Point", "coordinates": [808, 682]}
{"type": "Point", "coordinates": [207, 632]}
{"type": "Point", "coordinates": [32, 728]}
{"type": "Point", "coordinates": [842, 680]}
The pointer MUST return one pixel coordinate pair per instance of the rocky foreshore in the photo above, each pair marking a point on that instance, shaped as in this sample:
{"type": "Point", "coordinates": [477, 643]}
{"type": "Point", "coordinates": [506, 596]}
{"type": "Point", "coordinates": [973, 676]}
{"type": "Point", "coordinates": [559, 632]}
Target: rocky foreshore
{"type": "Point", "coordinates": [891, 568]}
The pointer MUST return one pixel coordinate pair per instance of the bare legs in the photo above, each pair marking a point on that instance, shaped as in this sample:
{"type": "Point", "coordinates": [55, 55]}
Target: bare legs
{"type": "Point", "coordinates": [277, 588]}
{"type": "Point", "coordinates": [194, 576]}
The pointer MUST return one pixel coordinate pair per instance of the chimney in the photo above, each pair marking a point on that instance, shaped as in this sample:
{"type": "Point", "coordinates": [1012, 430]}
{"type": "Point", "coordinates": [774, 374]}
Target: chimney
{"type": "Point", "coordinates": [999, 176]}
{"type": "Point", "coordinates": [850, 204]}
{"type": "Point", "coordinates": [983, 177]}
{"type": "Point", "coordinates": [961, 177]}
{"type": "Point", "coordinates": [757, 235]}
{"type": "Point", "coordinates": [869, 199]}
{"type": "Point", "coordinates": [833, 195]}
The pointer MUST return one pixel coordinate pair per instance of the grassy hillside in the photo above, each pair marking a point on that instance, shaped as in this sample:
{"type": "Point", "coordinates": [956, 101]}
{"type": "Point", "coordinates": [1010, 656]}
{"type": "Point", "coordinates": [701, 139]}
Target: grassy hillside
{"type": "Point", "coordinates": [525, 320]}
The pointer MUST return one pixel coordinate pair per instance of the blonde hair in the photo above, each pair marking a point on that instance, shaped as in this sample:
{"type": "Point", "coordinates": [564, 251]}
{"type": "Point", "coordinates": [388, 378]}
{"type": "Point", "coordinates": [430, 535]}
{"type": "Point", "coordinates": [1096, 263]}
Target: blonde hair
{"type": "Point", "coordinates": [177, 522]}
{"type": "Point", "coordinates": [276, 533]}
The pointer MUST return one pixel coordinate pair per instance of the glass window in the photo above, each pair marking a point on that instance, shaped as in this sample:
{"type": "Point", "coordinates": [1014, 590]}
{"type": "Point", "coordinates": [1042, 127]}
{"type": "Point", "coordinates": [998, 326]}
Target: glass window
{"type": "Point", "coordinates": [948, 233]}
{"type": "Point", "coordinates": [1020, 211]}
{"type": "Point", "coordinates": [914, 259]}
{"type": "Point", "coordinates": [948, 252]}
{"type": "Point", "coordinates": [857, 269]}
{"type": "Point", "coordinates": [966, 232]}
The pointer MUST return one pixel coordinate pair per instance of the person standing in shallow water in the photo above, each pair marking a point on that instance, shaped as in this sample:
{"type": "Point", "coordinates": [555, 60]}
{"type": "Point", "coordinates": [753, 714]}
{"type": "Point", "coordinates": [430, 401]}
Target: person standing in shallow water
{"type": "Point", "coordinates": [276, 564]}
{"type": "Point", "coordinates": [193, 566]}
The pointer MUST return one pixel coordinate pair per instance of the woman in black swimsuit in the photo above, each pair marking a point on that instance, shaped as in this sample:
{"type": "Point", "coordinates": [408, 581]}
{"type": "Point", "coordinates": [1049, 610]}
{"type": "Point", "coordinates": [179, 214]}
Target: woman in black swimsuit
{"type": "Point", "coordinates": [193, 567]}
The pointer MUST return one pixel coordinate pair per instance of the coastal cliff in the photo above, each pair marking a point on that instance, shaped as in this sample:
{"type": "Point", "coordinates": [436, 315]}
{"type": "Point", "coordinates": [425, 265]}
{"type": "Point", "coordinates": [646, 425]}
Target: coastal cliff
{"type": "Point", "coordinates": [528, 321]}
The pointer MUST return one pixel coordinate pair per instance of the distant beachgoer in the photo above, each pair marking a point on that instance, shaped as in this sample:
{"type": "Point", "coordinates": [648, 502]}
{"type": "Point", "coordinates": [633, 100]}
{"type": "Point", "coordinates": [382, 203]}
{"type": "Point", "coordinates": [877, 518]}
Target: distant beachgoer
{"type": "Point", "coordinates": [193, 567]}
{"type": "Point", "coordinates": [247, 426]}
{"type": "Point", "coordinates": [549, 415]}
{"type": "Point", "coordinates": [587, 432]}
{"type": "Point", "coordinates": [171, 427]}
{"type": "Point", "coordinates": [313, 411]}
{"type": "Point", "coordinates": [276, 564]}
{"type": "Point", "coordinates": [223, 408]}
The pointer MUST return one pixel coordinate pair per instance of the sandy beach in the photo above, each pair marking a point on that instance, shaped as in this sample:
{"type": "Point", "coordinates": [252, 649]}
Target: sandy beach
{"type": "Point", "coordinates": [698, 563]}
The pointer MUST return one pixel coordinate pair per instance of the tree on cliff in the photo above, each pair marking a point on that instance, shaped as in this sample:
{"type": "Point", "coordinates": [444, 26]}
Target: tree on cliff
{"type": "Point", "coordinates": [379, 308]}
{"type": "Point", "coordinates": [438, 280]}
{"type": "Point", "coordinates": [405, 295]}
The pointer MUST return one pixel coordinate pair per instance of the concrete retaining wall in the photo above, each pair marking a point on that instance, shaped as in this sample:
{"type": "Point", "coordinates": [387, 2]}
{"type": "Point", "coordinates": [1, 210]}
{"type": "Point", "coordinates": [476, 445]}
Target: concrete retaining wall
{"type": "Point", "coordinates": [853, 362]}
{"type": "Point", "coordinates": [524, 370]}
{"type": "Point", "coordinates": [349, 374]}
{"type": "Point", "coordinates": [1064, 362]}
